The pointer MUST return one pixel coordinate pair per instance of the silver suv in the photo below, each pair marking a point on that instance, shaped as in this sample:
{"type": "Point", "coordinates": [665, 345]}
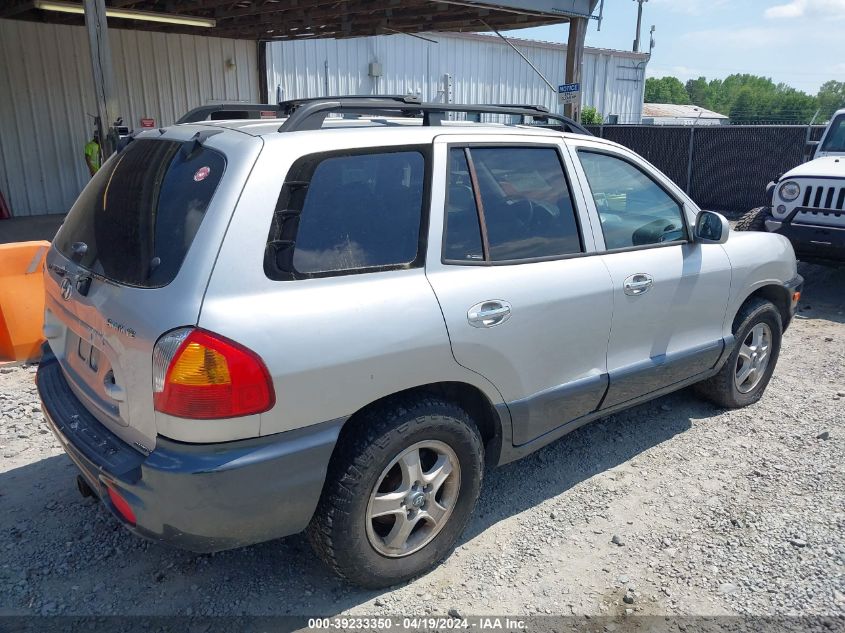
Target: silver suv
{"type": "Point", "coordinates": [331, 324]}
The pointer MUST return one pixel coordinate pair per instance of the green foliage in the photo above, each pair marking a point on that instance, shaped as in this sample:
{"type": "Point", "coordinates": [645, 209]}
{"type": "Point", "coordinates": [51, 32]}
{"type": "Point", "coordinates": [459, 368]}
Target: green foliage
{"type": "Point", "coordinates": [831, 97]}
{"type": "Point", "coordinates": [749, 98]}
{"type": "Point", "coordinates": [591, 116]}
{"type": "Point", "coordinates": [701, 92]}
{"type": "Point", "coordinates": [665, 90]}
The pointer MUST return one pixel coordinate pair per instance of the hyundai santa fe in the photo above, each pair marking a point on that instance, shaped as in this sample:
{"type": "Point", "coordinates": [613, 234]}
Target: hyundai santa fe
{"type": "Point", "coordinates": [333, 323]}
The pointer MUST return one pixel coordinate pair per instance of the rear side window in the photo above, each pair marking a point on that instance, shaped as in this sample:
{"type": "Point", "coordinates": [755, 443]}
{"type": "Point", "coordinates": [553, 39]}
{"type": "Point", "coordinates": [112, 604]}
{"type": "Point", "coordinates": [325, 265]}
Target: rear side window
{"type": "Point", "coordinates": [634, 210]}
{"type": "Point", "coordinates": [137, 218]}
{"type": "Point", "coordinates": [463, 234]}
{"type": "Point", "coordinates": [350, 212]}
{"type": "Point", "coordinates": [523, 200]}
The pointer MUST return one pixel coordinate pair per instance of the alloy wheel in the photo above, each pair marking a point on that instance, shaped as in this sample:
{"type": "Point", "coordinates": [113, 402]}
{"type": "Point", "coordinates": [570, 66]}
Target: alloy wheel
{"type": "Point", "coordinates": [754, 354]}
{"type": "Point", "coordinates": [413, 498]}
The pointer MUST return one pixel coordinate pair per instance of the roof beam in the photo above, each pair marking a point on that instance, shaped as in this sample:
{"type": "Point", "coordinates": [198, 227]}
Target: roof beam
{"type": "Point", "coordinates": [13, 7]}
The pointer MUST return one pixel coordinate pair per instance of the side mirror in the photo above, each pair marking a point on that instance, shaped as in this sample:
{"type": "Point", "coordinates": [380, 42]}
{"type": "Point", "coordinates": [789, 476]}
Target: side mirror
{"type": "Point", "coordinates": [711, 228]}
{"type": "Point", "coordinates": [810, 149]}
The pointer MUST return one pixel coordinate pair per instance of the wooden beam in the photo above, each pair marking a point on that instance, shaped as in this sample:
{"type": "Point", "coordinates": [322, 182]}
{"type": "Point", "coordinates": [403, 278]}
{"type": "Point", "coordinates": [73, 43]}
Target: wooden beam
{"type": "Point", "coordinates": [373, 25]}
{"type": "Point", "coordinates": [101, 63]}
{"type": "Point", "coordinates": [13, 7]}
{"type": "Point", "coordinates": [574, 62]}
{"type": "Point", "coordinates": [122, 4]}
{"type": "Point", "coordinates": [328, 16]}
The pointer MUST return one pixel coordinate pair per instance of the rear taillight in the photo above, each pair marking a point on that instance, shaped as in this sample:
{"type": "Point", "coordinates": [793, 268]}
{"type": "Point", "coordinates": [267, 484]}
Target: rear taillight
{"type": "Point", "coordinates": [200, 375]}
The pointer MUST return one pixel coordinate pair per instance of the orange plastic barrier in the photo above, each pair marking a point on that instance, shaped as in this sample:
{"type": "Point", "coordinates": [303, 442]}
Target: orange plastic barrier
{"type": "Point", "coordinates": [21, 300]}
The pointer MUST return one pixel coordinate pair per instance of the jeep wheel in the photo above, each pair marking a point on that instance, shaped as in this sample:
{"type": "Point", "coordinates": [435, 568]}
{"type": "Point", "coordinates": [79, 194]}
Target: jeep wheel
{"type": "Point", "coordinates": [746, 373]}
{"type": "Point", "coordinates": [754, 220]}
{"type": "Point", "coordinates": [399, 491]}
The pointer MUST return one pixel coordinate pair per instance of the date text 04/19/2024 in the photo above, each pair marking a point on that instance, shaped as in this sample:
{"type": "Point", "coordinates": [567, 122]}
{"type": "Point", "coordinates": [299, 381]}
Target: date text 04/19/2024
{"type": "Point", "coordinates": [422, 623]}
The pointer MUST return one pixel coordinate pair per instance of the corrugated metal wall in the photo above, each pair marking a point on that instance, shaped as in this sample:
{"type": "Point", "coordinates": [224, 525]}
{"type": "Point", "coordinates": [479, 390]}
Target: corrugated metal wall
{"type": "Point", "coordinates": [482, 67]}
{"type": "Point", "coordinates": [46, 91]}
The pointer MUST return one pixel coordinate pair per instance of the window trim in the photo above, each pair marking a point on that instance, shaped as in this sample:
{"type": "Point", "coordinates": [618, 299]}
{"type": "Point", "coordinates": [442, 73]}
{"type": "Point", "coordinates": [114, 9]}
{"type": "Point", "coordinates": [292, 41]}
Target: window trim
{"type": "Point", "coordinates": [479, 214]}
{"type": "Point", "coordinates": [589, 196]}
{"type": "Point", "coordinates": [424, 149]}
{"type": "Point", "coordinates": [824, 145]}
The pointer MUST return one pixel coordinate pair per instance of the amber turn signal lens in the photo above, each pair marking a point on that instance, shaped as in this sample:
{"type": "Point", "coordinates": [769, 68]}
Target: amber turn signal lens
{"type": "Point", "coordinates": [198, 365]}
{"type": "Point", "coordinates": [209, 377]}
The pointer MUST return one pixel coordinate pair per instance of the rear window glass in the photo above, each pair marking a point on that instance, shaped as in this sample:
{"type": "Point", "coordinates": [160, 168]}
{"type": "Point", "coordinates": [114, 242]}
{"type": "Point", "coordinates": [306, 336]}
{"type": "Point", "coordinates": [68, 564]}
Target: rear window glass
{"type": "Point", "coordinates": [137, 218]}
{"type": "Point", "coordinates": [353, 212]}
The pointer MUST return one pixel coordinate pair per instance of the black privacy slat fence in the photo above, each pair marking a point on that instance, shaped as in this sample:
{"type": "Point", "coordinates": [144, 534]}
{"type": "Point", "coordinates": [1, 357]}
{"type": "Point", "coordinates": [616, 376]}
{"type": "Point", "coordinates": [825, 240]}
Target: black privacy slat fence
{"type": "Point", "coordinates": [728, 166]}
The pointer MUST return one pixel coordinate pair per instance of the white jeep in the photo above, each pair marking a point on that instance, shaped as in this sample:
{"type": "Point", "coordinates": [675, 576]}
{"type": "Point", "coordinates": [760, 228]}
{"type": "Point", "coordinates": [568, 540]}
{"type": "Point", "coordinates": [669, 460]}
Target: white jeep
{"type": "Point", "coordinates": [807, 204]}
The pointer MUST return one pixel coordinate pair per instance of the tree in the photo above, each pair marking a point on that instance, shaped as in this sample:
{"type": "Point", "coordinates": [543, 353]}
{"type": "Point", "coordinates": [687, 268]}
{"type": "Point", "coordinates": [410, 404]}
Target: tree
{"type": "Point", "coordinates": [744, 108]}
{"type": "Point", "coordinates": [665, 90]}
{"type": "Point", "coordinates": [701, 92]}
{"type": "Point", "coordinates": [830, 98]}
{"type": "Point", "coordinates": [749, 98]}
{"type": "Point", "coordinates": [591, 116]}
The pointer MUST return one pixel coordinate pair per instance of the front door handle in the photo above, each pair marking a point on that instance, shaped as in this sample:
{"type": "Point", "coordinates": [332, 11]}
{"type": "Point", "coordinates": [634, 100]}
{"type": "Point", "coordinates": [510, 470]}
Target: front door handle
{"type": "Point", "coordinates": [638, 284]}
{"type": "Point", "coordinates": [489, 313]}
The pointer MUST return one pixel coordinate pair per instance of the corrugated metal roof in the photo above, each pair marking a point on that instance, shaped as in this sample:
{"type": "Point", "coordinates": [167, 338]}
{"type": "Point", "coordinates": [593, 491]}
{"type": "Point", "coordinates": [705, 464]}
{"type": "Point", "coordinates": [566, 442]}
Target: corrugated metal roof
{"type": "Point", "coordinates": [679, 111]}
{"type": "Point", "coordinates": [340, 19]}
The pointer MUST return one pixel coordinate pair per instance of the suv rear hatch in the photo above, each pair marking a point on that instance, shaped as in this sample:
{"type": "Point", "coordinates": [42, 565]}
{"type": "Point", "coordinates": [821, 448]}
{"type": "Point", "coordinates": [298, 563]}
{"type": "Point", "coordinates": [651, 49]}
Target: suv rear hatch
{"type": "Point", "coordinates": [132, 261]}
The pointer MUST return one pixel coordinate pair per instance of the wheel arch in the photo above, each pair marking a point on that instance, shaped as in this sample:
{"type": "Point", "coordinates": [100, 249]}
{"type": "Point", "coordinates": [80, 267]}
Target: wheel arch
{"type": "Point", "coordinates": [777, 294]}
{"type": "Point", "coordinates": [484, 414]}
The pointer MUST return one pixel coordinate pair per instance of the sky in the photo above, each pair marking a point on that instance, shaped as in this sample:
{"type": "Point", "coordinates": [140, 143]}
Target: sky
{"type": "Point", "coordinates": [797, 42]}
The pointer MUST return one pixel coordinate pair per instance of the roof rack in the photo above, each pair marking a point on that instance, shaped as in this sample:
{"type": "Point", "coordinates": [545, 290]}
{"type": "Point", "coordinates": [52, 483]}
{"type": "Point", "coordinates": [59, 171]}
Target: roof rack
{"type": "Point", "coordinates": [243, 111]}
{"type": "Point", "coordinates": [261, 110]}
{"type": "Point", "coordinates": [309, 114]}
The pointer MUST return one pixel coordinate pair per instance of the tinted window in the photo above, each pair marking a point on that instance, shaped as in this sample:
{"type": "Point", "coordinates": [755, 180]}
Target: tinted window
{"type": "Point", "coordinates": [528, 209]}
{"type": "Point", "coordinates": [835, 139]}
{"type": "Point", "coordinates": [361, 211]}
{"type": "Point", "coordinates": [634, 210]}
{"type": "Point", "coordinates": [139, 214]}
{"type": "Point", "coordinates": [463, 236]}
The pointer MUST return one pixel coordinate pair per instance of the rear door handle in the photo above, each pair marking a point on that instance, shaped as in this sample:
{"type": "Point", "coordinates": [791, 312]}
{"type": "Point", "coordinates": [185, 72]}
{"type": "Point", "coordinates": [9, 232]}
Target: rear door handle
{"type": "Point", "coordinates": [489, 313]}
{"type": "Point", "coordinates": [638, 284]}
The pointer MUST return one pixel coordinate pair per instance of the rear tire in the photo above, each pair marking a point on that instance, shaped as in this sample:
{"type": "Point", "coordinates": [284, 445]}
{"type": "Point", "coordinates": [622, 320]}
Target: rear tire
{"type": "Point", "coordinates": [364, 541]}
{"type": "Point", "coordinates": [754, 220]}
{"type": "Point", "coordinates": [743, 378]}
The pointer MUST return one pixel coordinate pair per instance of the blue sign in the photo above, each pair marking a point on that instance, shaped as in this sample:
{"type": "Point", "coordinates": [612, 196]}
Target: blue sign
{"type": "Point", "coordinates": [563, 88]}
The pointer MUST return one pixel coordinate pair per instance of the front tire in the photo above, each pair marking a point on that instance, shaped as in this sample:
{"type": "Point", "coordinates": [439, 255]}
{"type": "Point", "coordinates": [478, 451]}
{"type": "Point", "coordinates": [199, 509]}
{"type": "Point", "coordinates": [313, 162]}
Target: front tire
{"type": "Point", "coordinates": [754, 220]}
{"type": "Point", "coordinates": [399, 491]}
{"type": "Point", "coordinates": [743, 378]}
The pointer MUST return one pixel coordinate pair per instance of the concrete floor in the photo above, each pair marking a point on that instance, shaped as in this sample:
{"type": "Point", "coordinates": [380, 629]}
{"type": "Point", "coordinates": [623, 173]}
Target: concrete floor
{"type": "Point", "coordinates": [37, 227]}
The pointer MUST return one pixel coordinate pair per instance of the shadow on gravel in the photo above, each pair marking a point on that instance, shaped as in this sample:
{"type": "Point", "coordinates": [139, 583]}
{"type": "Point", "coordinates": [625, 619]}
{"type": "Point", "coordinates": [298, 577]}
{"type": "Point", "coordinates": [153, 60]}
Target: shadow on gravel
{"type": "Point", "coordinates": [823, 296]}
{"type": "Point", "coordinates": [576, 457]}
{"type": "Point", "coordinates": [65, 554]}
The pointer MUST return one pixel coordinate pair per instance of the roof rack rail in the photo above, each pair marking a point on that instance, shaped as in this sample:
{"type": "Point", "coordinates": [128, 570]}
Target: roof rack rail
{"type": "Point", "coordinates": [309, 114]}
{"type": "Point", "coordinates": [287, 107]}
{"type": "Point", "coordinates": [243, 110]}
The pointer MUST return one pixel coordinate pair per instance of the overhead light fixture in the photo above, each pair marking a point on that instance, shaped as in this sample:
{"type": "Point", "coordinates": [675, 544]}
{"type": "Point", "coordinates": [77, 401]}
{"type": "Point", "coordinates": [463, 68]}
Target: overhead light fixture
{"type": "Point", "coordinates": [128, 14]}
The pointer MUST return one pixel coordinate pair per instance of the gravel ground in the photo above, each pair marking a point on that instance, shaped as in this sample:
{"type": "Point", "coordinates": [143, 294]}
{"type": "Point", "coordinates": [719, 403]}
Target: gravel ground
{"type": "Point", "coordinates": [673, 508]}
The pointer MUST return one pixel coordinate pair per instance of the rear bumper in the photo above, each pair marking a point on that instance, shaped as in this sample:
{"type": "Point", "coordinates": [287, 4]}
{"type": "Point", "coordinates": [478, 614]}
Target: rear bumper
{"type": "Point", "coordinates": [199, 497]}
{"type": "Point", "coordinates": [810, 241]}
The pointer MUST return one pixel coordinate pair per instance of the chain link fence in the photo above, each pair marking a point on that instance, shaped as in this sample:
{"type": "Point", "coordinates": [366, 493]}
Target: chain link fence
{"type": "Point", "coordinates": [725, 167]}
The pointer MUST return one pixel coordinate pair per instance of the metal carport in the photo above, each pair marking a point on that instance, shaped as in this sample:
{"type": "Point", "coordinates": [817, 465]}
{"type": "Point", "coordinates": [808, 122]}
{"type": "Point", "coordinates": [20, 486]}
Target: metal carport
{"type": "Point", "coordinates": [260, 21]}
